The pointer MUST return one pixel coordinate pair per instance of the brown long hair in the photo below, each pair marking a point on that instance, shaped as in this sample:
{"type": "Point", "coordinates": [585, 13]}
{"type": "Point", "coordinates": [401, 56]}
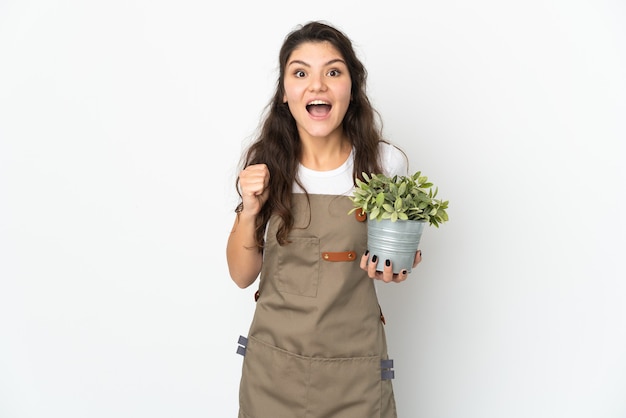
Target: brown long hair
{"type": "Point", "coordinates": [278, 144]}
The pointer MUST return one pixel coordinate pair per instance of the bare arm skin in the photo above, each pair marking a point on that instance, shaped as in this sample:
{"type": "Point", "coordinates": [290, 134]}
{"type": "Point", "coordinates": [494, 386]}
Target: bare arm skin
{"type": "Point", "coordinates": [242, 254]}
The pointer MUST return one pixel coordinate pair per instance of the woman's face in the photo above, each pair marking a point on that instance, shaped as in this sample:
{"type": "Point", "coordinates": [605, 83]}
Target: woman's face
{"type": "Point", "coordinates": [317, 89]}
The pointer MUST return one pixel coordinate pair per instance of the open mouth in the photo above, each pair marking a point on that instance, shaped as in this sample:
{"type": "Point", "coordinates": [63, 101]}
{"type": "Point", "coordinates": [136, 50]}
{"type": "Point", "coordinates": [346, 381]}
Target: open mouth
{"type": "Point", "coordinates": [318, 108]}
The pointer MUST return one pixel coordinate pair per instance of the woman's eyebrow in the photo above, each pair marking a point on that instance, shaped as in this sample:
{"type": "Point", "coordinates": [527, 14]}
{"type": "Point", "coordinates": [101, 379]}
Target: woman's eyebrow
{"type": "Point", "coordinates": [333, 61]}
{"type": "Point", "coordinates": [298, 62]}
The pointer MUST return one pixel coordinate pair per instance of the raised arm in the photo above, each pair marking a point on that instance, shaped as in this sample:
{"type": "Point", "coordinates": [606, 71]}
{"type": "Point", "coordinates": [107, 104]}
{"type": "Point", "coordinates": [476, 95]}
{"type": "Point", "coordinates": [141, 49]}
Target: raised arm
{"type": "Point", "coordinates": [242, 253]}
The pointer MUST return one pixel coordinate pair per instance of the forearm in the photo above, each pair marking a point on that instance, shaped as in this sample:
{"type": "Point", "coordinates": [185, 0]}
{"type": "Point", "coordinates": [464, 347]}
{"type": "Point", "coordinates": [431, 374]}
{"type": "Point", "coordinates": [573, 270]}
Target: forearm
{"type": "Point", "coordinates": [242, 253]}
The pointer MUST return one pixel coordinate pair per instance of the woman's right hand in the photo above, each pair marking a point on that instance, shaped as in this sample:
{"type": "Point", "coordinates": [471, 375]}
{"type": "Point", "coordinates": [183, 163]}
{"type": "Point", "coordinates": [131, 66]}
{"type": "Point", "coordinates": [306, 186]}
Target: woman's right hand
{"type": "Point", "coordinates": [242, 251]}
{"type": "Point", "coordinates": [253, 183]}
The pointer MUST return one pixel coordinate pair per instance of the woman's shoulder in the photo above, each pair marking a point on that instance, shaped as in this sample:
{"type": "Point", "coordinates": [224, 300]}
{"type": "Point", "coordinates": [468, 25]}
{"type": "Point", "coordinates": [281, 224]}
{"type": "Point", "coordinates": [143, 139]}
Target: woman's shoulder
{"type": "Point", "coordinates": [393, 159]}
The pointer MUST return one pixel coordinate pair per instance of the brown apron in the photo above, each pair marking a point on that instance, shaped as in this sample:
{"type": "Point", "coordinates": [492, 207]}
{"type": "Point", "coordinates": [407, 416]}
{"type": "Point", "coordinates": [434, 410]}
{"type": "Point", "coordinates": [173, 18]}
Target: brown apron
{"type": "Point", "coordinates": [316, 346]}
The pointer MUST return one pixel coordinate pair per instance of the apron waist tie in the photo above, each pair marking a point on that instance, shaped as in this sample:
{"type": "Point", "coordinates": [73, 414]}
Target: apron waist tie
{"type": "Point", "coordinates": [243, 343]}
{"type": "Point", "coordinates": [386, 369]}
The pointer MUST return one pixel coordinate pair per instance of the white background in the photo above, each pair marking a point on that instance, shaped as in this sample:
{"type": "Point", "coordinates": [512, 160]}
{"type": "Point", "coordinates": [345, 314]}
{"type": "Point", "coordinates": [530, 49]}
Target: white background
{"type": "Point", "coordinates": [121, 127]}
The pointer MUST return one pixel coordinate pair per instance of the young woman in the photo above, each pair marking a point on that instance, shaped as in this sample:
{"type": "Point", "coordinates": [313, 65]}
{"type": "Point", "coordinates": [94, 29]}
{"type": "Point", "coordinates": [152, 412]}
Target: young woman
{"type": "Point", "coordinates": [316, 347]}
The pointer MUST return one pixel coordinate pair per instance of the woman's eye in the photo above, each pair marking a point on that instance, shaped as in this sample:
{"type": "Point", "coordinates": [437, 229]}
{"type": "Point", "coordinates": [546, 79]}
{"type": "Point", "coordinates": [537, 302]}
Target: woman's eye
{"type": "Point", "coordinates": [299, 73]}
{"type": "Point", "coordinates": [334, 73]}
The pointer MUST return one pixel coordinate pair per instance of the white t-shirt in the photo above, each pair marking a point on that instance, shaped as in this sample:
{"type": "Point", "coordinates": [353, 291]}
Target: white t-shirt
{"type": "Point", "coordinates": [340, 181]}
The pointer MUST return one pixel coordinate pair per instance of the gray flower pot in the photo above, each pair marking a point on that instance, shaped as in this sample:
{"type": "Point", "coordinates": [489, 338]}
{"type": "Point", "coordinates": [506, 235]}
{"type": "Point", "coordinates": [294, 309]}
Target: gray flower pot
{"type": "Point", "coordinates": [396, 241]}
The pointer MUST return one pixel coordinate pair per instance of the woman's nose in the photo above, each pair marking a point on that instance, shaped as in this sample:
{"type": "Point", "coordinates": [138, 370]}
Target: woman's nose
{"type": "Point", "coordinates": [317, 83]}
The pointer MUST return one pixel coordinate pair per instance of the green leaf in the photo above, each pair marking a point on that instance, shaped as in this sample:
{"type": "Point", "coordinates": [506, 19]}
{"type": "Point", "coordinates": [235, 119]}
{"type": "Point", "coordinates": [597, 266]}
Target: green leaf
{"type": "Point", "coordinates": [398, 203]}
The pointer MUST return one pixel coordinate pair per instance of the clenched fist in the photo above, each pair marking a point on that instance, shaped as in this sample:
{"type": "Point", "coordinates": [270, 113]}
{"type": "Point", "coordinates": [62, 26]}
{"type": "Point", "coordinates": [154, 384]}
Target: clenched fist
{"type": "Point", "coordinates": [253, 183]}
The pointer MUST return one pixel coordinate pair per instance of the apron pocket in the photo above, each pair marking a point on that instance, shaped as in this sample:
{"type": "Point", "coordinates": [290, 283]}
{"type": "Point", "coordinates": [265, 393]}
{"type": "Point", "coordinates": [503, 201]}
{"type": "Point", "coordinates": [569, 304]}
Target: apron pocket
{"type": "Point", "coordinates": [298, 266]}
{"type": "Point", "coordinates": [273, 382]}
{"type": "Point", "coordinates": [278, 384]}
{"type": "Point", "coordinates": [345, 387]}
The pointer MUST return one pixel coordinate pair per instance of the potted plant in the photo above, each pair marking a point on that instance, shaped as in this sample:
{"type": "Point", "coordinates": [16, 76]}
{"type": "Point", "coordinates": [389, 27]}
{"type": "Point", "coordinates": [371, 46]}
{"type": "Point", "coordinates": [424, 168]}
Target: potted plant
{"type": "Point", "coordinates": [397, 210]}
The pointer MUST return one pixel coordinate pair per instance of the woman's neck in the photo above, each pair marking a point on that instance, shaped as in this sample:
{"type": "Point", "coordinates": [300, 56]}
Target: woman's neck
{"type": "Point", "coordinates": [324, 154]}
